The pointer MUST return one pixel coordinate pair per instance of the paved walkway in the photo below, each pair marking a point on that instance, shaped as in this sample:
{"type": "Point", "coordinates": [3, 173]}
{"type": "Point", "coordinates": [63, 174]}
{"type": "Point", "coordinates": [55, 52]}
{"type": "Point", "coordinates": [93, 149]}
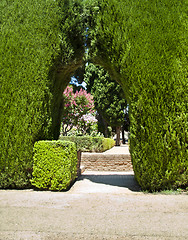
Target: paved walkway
{"type": "Point", "coordinates": [98, 206]}
{"type": "Point", "coordinates": [106, 182]}
{"type": "Point", "coordinates": [123, 149]}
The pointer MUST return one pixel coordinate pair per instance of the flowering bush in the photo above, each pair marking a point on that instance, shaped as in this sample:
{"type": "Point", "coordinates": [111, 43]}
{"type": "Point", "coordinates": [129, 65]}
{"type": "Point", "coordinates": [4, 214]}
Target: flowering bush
{"type": "Point", "coordinates": [86, 122]}
{"type": "Point", "coordinates": [78, 111]}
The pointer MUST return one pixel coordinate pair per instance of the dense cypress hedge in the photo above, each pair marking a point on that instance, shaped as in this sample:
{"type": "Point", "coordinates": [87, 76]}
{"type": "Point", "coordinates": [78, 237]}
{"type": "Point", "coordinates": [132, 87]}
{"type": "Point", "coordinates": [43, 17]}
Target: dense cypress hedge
{"type": "Point", "coordinates": [143, 44]}
{"type": "Point", "coordinates": [55, 165]}
{"type": "Point", "coordinates": [39, 40]}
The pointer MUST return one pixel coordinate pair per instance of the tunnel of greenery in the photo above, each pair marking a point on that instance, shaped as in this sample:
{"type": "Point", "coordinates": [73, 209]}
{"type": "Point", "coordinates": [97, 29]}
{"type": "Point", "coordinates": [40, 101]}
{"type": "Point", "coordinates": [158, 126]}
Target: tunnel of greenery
{"type": "Point", "coordinates": [142, 44]}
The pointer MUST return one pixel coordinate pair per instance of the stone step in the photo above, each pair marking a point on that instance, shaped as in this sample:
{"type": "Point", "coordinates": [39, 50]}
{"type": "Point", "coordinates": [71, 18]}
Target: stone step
{"type": "Point", "coordinates": [82, 169]}
{"type": "Point", "coordinates": [106, 162]}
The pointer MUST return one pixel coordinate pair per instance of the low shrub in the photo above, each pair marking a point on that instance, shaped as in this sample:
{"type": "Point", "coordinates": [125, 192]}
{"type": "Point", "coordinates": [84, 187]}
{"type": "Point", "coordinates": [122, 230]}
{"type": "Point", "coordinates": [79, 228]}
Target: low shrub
{"type": "Point", "coordinates": [55, 165]}
{"type": "Point", "coordinates": [108, 143]}
{"type": "Point", "coordinates": [90, 144]}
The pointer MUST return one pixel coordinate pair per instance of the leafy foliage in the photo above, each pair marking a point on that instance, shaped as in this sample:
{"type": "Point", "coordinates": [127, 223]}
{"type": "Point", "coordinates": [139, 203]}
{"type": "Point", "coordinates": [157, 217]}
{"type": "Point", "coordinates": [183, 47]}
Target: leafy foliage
{"type": "Point", "coordinates": [55, 165]}
{"type": "Point", "coordinates": [108, 95]}
{"type": "Point", "coordinates": [90, 144]}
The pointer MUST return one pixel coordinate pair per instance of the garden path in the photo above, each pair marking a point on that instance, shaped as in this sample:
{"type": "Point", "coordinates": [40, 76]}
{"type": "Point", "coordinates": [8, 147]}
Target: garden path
{"type": "Point", "coordinates": [100, 205]}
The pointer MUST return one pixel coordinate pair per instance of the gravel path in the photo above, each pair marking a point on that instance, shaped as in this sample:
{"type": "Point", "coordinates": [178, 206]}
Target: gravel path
{"type": "Point", "coordinates": [98, 206]}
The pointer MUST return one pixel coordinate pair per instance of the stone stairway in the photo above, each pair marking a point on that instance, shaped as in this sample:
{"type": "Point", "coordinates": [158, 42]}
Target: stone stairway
{"type": "Point", "coordinates": [115, 159]}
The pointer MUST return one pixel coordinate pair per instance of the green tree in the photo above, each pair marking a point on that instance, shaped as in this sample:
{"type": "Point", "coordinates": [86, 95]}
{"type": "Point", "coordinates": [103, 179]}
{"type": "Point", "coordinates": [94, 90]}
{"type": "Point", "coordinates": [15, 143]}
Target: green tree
{"type": "Point", "coordinates": [108, 97]}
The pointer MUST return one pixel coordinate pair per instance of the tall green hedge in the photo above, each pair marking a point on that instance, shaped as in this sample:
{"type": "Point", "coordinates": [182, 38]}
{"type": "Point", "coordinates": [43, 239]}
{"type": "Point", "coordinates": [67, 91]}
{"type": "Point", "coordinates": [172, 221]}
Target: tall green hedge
{"type": "Point", "coordinates": [39, 41]}
{"type": "Point", "coordinates": [143, 44]}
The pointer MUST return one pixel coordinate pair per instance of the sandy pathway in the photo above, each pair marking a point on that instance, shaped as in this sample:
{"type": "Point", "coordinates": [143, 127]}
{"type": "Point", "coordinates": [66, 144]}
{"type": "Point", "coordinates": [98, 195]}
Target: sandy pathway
{"type": "Point", "coordinates": [98, 206]}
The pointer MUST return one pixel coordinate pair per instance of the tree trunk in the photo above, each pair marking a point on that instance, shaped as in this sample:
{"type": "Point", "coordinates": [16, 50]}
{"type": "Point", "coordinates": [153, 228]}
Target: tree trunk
{"type": "Point", "coordinates": [118, 129]}
{"type": "Point", "coordinates": [123, 135]}
{"type": "Point", "coordinates": [105, 129]}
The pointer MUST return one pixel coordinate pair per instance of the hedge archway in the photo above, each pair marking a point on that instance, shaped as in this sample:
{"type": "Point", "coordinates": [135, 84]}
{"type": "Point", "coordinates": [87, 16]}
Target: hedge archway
{"type": "Point", "coordinates": [142, 44]}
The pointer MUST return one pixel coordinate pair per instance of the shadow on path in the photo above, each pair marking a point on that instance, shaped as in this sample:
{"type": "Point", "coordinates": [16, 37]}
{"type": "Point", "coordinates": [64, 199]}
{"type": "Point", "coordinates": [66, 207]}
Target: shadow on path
{"type": "Point", "coordinates": [118, 180]}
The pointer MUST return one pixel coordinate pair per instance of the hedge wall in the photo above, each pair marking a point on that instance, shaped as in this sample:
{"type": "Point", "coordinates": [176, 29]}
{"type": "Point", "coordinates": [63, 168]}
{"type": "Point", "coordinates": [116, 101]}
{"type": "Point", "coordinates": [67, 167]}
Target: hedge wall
{"type": "Point", "coordinates": [55, 165]}
{"type": "Point", "coordinates": [144, 45]}
{"type": "Point", "coordinates": [38, 43]}
{"type": "Point", "coordinates": [90, 144]}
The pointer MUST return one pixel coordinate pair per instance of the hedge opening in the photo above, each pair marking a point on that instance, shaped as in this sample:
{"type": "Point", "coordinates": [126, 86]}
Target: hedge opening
{"type": "Point", "coordinates": [144, 47]}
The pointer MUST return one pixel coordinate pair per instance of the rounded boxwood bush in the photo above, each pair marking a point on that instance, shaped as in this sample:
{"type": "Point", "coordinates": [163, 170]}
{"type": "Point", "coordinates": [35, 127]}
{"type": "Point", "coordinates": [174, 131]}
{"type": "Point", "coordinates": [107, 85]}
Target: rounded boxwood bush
{"type": "Point", "coordinates": [55, 165]}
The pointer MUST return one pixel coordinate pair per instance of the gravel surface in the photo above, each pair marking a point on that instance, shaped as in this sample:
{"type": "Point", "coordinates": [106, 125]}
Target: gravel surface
{"type": "Point", "coordinates": [98, 206]}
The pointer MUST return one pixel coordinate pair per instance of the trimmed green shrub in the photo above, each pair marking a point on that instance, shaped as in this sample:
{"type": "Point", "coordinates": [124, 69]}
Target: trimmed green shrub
{"type": "Point", "coordinates": [107, 143]}
{"type": "Point", "coordinates": [55, 165]}
{"type": "Point", "coordinates": [90, 144]}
